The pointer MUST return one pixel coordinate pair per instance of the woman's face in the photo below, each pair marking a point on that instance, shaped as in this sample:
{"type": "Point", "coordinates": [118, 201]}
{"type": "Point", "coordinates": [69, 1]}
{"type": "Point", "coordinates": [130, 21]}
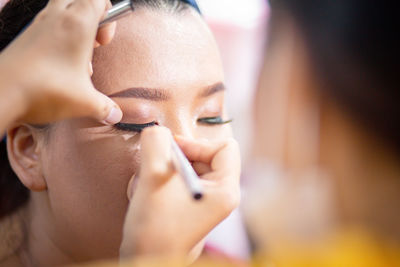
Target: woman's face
{"type": "Point", "coordinates": [161, 67]}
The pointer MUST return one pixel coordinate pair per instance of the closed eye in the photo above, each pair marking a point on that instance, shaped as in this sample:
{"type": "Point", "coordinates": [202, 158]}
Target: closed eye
{"type": "Point", "coordinates": [131, 127]}
{"type": "Point", "coordinates": [213, 121]}
{"type": "Point", "coordinates": [138, 128]}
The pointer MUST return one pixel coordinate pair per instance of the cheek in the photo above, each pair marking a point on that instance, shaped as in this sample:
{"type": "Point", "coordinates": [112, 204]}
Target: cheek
{"type": "Point", "coordinates": [93, 168]}
{"type": "Point", "coordinates": [87, 177]}
{"type": "Point", "coordinates": [214, 133]}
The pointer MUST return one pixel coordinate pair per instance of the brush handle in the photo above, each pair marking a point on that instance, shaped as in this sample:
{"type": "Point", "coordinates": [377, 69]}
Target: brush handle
{"type": "Point", "coordinates": [117, 11]}
{"type": "Point", "coordinates": [186, 170]}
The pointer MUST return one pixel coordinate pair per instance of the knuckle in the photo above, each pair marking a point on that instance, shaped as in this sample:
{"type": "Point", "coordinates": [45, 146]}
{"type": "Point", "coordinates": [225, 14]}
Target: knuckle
{"type": "Point", "coordinates": [102, 108]}
{"type": "Point", "coordinates": [93, 8]}
{"type": "Point", "coordinates": [96, 110]}
{"type": "Point", "coordinates": [74, 23]}
{"type": "Point", "coordinates": [159, 170]}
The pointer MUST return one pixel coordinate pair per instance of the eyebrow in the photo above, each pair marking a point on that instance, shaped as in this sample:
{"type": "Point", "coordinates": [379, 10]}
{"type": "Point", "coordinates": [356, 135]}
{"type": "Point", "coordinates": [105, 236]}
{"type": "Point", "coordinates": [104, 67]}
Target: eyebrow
{"type": "Point", "coordinates": [143, 93]}
{"type": "Point", "coordinates": [161, 94]}
{"type": "Point", "coordinates": [213, 89]}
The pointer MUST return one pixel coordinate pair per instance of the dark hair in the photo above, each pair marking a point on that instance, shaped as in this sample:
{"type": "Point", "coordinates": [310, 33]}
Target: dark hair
{"type": "Point", "coordinates": [14, 17]}
{"type": "Point", "coordinates": [13, 193]}
{"type": "Point", "coordinates": [354, 50]}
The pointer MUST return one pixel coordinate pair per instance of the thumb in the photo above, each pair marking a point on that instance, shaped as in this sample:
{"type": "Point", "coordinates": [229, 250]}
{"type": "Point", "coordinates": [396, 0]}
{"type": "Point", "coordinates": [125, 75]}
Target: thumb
{"type": "Point", "coordinates": [102, 108]}
{"type": "Point", "coordinates": [156, 155]}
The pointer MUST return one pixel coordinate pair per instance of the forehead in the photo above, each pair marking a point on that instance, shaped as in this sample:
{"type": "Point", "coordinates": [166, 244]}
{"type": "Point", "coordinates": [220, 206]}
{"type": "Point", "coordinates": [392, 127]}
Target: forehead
{"type": "Point", "coordinates": [157, 49]}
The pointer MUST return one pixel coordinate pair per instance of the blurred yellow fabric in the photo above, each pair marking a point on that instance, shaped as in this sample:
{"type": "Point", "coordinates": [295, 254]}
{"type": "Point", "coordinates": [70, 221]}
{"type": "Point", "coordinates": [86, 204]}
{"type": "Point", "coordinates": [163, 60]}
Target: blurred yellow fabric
{"type": "Point", "coordinates": [347, 249]}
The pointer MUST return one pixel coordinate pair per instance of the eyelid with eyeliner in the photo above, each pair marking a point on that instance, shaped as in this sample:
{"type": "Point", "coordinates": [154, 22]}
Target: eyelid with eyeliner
{"type": "Point", "coordinates": [131, 127]}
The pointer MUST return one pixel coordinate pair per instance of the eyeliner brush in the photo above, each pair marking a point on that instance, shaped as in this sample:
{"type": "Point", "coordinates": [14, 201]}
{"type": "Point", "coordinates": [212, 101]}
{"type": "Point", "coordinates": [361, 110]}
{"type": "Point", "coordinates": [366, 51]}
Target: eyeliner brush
{"type": "Point", "coordinates": [118, 11]}
{"type": "Point", "coordinates": [186, 170]}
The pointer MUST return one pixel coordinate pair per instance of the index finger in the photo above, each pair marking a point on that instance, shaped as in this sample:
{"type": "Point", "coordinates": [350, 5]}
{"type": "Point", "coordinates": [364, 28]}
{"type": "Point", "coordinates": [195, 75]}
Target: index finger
{"type": "Point", "coordinates": [228, 158]}
{"type": "Point", "coordinates": [106, 33]}
{"type": "Point", "coordinates": [199, 150]}
{"type": "Point", "coordinates": [220, 155]}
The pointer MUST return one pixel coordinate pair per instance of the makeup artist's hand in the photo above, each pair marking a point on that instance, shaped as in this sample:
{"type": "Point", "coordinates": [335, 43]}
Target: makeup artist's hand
{"type": "Point", "coordinates": [163, 219]}
{"type": "Point", "coordinates": [46, 71]}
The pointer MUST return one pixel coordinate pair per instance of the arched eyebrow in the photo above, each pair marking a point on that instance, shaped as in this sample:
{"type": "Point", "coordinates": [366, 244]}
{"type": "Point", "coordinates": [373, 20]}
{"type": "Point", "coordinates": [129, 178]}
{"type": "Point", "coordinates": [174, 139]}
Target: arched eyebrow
{"type": "Point", "coordinates": [161, 94]}
{"type": "Point", "coordinates": [213, 89]}
{"type": "Point", "coordinates": [143, 93]}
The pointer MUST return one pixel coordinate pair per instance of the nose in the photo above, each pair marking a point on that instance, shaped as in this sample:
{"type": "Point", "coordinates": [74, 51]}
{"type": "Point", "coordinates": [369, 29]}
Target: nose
{"type": "Point", "coordinates": [180, 124]}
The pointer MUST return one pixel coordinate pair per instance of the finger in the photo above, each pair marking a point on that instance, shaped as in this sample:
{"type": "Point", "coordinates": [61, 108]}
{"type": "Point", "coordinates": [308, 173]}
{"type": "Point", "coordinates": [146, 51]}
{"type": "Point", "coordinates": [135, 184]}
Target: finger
{"type": "Point", "coordinates": [106, 33]}
{"type": "Point", "coordinates": [90, 68]}
{"type": "Point", "coordinates": [96, 44]}
{"type": "Point", "coordinates": [228, 158]}
{"type": "Point", "coordinates": [93, 10]}
{"type": "Point", "coordinates": [225, 165]}
{"type": "Point", "coordinates": [199, 150]}
{"type": "Point", "coordinates": [98, 105]}
{"type": "Point", "coordinates": [201, 168]}
{"type": "Point", "coordinates": [156, 155]}
{"type": "Point", "coordinates": [226, 194]}
{"type": "Point", "coordinates": [54, 5]}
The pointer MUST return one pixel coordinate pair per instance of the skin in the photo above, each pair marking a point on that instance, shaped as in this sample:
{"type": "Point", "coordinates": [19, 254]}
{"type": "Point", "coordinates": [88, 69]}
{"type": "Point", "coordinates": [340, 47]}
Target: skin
{"type": "Point", "coordinates": [154, 229]}
{"type": "Point", "coordinates": [28, 94]}
{"type": "Point", "coordinates": [80, 167]}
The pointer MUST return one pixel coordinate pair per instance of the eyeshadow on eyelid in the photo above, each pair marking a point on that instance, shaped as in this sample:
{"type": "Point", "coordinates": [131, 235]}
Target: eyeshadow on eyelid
{"type": "Point", "coordinates": [138, 115]}
{"type": "Point", "coordinates": [133, 104]}
{"type": "Point", "coordinates": [212, 107]}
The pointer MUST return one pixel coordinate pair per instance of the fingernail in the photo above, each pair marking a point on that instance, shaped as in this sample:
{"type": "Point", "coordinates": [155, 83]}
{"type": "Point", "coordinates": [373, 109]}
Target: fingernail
{"type": "Point", "coordinates": [114, 116]}
{"type": "Point", "coordinates": [90, 68]}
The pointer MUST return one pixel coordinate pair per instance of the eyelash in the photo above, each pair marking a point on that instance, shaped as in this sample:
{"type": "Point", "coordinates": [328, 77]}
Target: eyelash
{"type": "Point", "coordinates": [213, 121]}
{"type": "Point", "coordinates": [130, 127]}
{"type": "Point", "coordinates": [138, 128]}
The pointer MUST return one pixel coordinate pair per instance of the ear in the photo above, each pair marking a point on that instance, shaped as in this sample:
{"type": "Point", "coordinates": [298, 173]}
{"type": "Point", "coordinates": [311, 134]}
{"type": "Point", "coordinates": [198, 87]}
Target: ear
{"type": "Point", "coordinates": [24, 148]}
